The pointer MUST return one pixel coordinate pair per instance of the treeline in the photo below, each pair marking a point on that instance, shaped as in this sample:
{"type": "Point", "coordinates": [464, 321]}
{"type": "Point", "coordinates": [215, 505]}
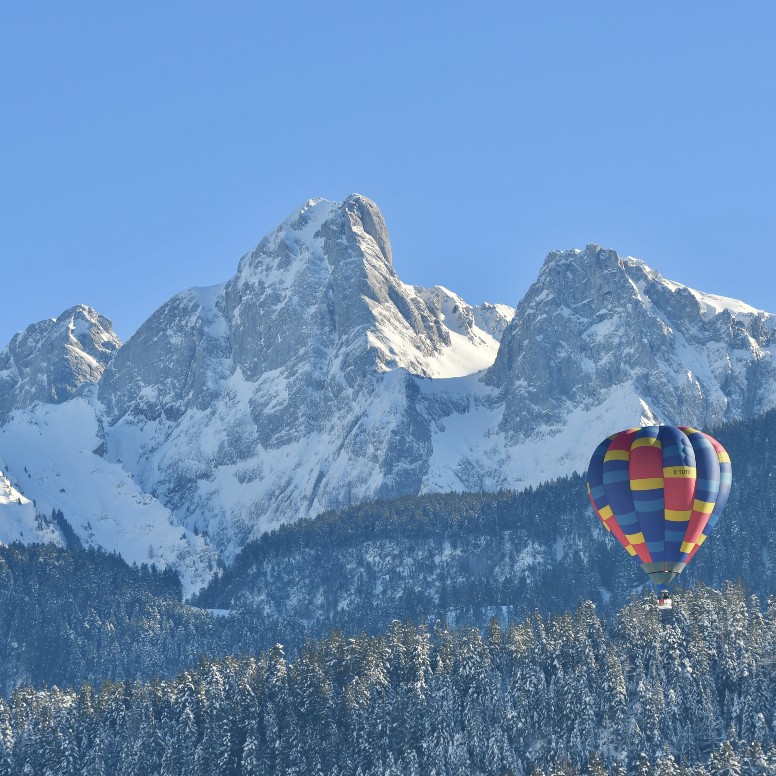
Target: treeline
{"type": "Point", "coordinates": [693, 692]}
{"type": "Point", "coordinates": [72, 615]}
{"type": "Point", "coordinates": [483, 549]}
{"type": "Point", "coordinates": [468, 556]}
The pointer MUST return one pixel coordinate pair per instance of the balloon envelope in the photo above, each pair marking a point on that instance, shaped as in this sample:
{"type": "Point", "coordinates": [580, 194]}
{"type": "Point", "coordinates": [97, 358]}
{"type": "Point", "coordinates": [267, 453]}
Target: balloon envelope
{"type": "Point", "coordinates": [660, 490]}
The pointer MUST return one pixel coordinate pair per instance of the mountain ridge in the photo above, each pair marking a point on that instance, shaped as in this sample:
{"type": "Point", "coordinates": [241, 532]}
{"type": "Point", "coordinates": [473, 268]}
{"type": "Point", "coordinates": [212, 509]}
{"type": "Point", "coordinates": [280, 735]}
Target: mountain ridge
{"type": "Point", "coordinates": [315, 379]}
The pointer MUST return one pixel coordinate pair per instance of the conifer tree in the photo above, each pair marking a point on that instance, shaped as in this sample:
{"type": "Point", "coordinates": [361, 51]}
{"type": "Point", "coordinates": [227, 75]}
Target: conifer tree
{"type": "Point", "coordinates": [596, 766]}
{"type": "Point", "coordinates": [725, 761]}
{"type": "Point", "coordinates": [666, 766]}
{"type": "Point", "coordinates": [617, 769]}
{"type": "Point", "coordinates": [642, 766]}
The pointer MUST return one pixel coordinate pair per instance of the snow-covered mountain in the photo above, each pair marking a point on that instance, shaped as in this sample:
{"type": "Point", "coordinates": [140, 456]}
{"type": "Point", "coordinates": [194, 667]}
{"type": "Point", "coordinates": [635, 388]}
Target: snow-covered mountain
{"type": "Point", "coordinates": [293, 387]}
{"type": "Point", "coordinates": [50, 452]}
{"type": "Point", "coordinates": [612, 322]}
{"type": "Point", "coordinates": [599, 343]}
{"type": "Point", "coordinates": [315, 378]}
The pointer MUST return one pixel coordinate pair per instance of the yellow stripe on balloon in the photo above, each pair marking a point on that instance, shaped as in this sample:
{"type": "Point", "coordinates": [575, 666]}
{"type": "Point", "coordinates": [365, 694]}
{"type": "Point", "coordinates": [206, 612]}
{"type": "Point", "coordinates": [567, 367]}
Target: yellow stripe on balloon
{"type": "Point", "coordinates": [647, 442]}
{"type": "Point", "coordinates": [687, 546]}
{"type": "Point", "coordinates": [629, 549]}
{"type": "Point", "coordinates": [704, 507]}
{"type": "Point", "coordinates": [723, 457]}
{"type": "Point", "coordinates": [617, 455]}
{"type": "Point", "coordinates": [647, 483]}
{"type": "Point", "coordinates": [678, 515]}
{"type": "Point", "coordinates": [701, 539]}
{"type": "Point", "coordinates": [637, 538]}
{"type": "Point", "coordinates": [606, 512]}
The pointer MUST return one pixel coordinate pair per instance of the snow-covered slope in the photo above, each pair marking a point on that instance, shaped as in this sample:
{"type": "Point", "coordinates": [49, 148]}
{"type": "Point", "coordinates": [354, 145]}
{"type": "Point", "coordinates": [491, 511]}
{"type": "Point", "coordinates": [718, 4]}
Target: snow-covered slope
{"type": "Point", "coordinates": [474, 332]}
{"type": "Point", "coordinates": [315, 378]}
{"type": "Point", "coordinates": [54, 445]}
{"type": "Point", "coordinates": [18, 519]}
{"type": "Point", "coordinates": [50, 439]}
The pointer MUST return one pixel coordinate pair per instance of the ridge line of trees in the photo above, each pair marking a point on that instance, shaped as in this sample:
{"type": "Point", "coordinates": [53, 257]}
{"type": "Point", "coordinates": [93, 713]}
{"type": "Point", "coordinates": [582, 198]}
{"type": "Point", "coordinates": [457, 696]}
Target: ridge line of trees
{"type": "Point", "coordinates": [570, 694]}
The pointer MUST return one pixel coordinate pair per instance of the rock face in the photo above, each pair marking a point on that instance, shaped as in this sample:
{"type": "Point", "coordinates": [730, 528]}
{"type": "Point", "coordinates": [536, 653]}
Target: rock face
{"type": "Point", "coordinates": [315, 378]}
{"type": "Point", "coordinates": [594, 324]}
{"type": "Point", "coordinates": [293, 387]}
{"type": "Point", "coordinates": [49, 360]}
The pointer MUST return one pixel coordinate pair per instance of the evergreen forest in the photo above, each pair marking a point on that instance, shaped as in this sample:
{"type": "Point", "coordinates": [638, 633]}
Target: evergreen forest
{"type": "Point", "coordinates": [448, 633]}
{"type": "Point", "coordinates": [692, 691]}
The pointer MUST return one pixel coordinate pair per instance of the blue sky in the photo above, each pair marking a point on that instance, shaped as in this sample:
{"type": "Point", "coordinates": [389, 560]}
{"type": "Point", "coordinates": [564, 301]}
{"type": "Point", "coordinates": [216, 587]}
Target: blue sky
{"type": "Point", "coordinates": [144, 147]}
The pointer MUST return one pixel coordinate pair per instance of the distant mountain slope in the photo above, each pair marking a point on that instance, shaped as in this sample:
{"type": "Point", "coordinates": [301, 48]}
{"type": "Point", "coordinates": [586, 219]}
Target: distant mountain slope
{"type": "Point", "coordinates": [18, 518]}
{"type": "Point", "coordinates": [466, 557]}
{"type": "Point", "coordinates": [99, 498]}
{"type": "Point", "coordinates": [51, 452]}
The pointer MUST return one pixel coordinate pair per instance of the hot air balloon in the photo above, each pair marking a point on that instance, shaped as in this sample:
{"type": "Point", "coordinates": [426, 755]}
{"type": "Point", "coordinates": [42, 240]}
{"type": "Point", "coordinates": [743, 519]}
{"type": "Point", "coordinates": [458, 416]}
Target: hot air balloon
{"type": "Point", "coordinates": [660, 490]}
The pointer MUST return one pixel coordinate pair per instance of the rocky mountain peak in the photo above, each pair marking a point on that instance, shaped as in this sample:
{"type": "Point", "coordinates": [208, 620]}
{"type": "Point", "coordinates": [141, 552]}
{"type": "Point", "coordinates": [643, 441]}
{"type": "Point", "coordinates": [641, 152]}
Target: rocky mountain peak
{"type": "Point", "coordinates": [597, 328]}
{"type": "Point", "coordinates": [313, 232]}
{"type": "Point", "coordinates": [573, 275]}
{"type": "Point", "coordinates": [51, 359]}
{"type": "Point", "coordinates": [90, 332]}
{"type": "Point", "coordinates": [309, 354]}
{"type": "Point", "coordinates": [366, 222]}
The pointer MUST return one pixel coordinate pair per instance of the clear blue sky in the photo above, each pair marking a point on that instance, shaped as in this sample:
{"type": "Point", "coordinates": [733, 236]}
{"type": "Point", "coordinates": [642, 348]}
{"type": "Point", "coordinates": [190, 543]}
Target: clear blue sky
{"type": "Point", "coordinates": [145, 146]}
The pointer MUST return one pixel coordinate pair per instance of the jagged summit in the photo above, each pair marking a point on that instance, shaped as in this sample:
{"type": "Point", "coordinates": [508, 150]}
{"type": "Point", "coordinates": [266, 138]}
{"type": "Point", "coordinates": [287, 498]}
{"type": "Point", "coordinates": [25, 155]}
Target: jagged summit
{"type": "Point", "coordinates": [308, 355]}
{"type": "Point", "coordinates": [616, 326]}
{"type": "Point", "coordinates": [320, 290]}
{"type": "Point", "coordinates": [51, 359]}
{"type": "Point", "coordinates": [302, 235]}
{"type": "Point", "coordinates": [595, 259]}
